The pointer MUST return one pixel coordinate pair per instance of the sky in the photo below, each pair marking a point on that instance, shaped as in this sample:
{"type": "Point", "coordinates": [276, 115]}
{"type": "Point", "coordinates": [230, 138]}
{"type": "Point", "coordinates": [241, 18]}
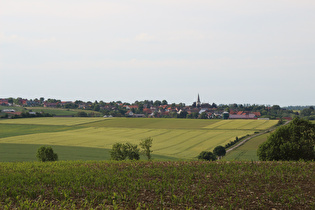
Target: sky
{"type": "Point", "coordinates": [244, 52]}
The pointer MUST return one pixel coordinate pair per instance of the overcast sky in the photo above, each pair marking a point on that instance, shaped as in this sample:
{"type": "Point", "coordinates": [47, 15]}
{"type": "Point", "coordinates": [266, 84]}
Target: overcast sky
{"type": "Point", "coordinates": [245, 51]}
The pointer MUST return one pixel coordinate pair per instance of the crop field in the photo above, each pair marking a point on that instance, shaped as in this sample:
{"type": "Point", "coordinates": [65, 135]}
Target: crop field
{"type": "Point", "coordinates": [247, 151]}
{"type": "Point", "coordinates": [243, 124]}
{"type": "Point", "coordinates": [59, 111]}
{"type": "Point", "coordinates": [68, 121]}
{"type": "Point", "coordinates": [157, 185]}
{"type": "Point", "coordinates": [173, 138]}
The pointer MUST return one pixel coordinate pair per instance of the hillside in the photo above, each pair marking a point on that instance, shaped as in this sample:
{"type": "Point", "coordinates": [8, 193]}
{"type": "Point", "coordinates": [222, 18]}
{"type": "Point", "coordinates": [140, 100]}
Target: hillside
{"type": "Point", "coordinates": [174, 138]}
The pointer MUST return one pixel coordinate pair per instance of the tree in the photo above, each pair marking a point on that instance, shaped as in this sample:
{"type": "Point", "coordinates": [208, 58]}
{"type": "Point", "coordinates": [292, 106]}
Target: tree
{"type": "Point", "coordinates": [146, 144]}
{"type": "Point", "coordinates": [118, 152]}
{"type": "Point", "coordinates": [294, 141]}
{"type": "Point", "coordinates": [97, 107]}
{"type": "Point", "coordinates": [203, 115]}
{"type": "Point", "coordinates": [306, 112]}
{"type": "Point", "coordinates": [205, 155]}
{"type": "Point", "coordinates": [10, 100]}
{"type": "Point", "coordinates": [157, 103]}
{"type": "Point", "coordinates": [164, 102]}
{"type": "Point", "coordinates": [219, 151]}
{"type": "Point", "coordinates": [133, 153]}
{"type": "Point", "coordinates": [46, 154]}
{"type": "Point", "coordinates": [182, 114]}
{"type": "Point", "coordinates": [122, 151]}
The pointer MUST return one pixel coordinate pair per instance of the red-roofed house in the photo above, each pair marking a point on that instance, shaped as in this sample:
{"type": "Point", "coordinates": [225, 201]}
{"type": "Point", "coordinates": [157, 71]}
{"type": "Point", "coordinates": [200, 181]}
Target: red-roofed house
{"type": "Point", "coordinates": [4, 102]}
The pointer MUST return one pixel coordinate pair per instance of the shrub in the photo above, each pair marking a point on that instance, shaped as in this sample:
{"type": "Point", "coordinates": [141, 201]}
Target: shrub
{"type": "Point", "coordinates": [205, 155]}
{"type": "Point", "coordinates": [46, 154]}
{"type": "Point", "coordinates": [122, 151]}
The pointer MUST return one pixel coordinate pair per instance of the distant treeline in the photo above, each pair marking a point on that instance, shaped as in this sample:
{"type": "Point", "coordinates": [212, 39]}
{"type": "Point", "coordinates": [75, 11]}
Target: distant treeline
{"type": "Point", "coordinates": [297, 107]}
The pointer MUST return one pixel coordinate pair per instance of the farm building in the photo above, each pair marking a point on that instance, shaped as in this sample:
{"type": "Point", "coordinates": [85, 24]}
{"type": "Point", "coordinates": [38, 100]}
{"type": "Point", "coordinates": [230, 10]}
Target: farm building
{"type": "Point", "coordinates": [242, 115]}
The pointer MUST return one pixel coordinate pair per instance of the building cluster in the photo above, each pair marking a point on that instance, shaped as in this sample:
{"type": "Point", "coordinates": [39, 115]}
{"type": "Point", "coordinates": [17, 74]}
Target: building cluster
{"type": "Point", "coordinates": [137, 109]}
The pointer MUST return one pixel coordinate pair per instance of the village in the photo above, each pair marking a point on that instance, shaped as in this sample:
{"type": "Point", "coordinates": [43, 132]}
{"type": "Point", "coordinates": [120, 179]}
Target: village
{"type": "Point", "coordinates": [147, 108]}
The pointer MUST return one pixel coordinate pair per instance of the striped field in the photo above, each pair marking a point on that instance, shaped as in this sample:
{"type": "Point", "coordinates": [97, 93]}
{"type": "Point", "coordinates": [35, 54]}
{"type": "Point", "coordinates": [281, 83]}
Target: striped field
{"type": "Point", "coordinates": [176, 138]}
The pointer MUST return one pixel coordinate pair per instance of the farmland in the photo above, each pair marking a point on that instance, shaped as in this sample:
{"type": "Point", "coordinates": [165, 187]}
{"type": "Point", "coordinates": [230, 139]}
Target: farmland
{"type": "Point", "coordinates": [247, 151]}
{"type": "Point", "coordinates": [173, 138]}
{"type": "Point", "coordinates": [157, 185]}
{"type": "Point", "coordinates": [59, 111]}
{"type": "Point", "coordinates": [53, 111]}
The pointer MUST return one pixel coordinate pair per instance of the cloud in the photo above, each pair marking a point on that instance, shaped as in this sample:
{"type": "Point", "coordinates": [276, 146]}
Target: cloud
{"type": "Point", "coordinates": [144, 37]}
{"type": "Point", "coordinates": [74, 9]}
{"type": "Point", "coordinates": [16, 39]}
{"type": "Point", "coordinates": [7, 39]}
{"type": "Point", "coordinates": [44, 41]}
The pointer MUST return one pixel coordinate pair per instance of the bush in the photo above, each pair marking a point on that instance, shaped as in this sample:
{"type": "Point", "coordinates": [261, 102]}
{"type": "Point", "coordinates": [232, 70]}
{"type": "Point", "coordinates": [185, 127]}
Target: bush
{"type": "Point", "coordinates": [81, 114]}
{"type": "Point", "coordinates": [204, 155]}
{"type": "Point", "coordinates": [46, 154]}
{"type": "Point", "coordinates": [294, 141]}
{"type": "Point", "coordinates": [231, 143]}
{"type": "Point", "coordinates": [122, 151]}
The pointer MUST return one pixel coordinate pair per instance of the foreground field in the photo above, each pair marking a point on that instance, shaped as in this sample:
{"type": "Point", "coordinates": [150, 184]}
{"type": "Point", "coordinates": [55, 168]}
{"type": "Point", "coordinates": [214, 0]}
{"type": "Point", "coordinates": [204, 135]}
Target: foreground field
{"type": "Point", "coordinates": [174, 138]}
{"type": "Point", "coordinates": [157, 185]}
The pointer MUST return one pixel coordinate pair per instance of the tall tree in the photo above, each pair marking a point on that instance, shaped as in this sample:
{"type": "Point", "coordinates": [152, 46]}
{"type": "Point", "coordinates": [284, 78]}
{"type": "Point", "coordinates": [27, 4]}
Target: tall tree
{"type": "Point", "coordinates": [294, 141]}
{"type": "Point", "coordinates": [146, 144]}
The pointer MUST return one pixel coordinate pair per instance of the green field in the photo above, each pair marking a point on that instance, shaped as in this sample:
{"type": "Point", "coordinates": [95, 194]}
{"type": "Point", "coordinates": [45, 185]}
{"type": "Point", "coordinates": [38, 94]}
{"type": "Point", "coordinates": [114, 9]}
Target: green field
{"type": "Point", "coordinates": [61, 121]}
{"type": "Point", "coordinates": [16, 108]}
{"type": "Point", "coordinates": [53, 111]}
{"type": "Point", "coordinates": [173, 138]}
{"type": "Point", "coordinates": [26, 152]}
{"type": "Point", "coordinates": [157, 185]}
{"type": "Point", "coordinates": [247, 151]}
{"type": "Point", "coordinates": [59, 111]}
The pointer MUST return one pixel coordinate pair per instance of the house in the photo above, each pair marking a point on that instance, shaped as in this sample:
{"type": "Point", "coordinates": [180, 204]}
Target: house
{"type": "Point", "coordinates": [129, 113]}
{"type": "Point", "coordinates": [32, 103]}
{"type": "Point", "coordinates": [132, 107]}
{"type": "Point", "coordinates": [202, 110]}
{"type": "Point", "coordinates": [139, 115]}
{"type": "Point", "coordinates": [11, 114]}
{"type": "Point", "coordinates": [242, 116]}
{"type": "Point", "coordinates": [51, 105]}
{"type": "Point", "coordinates": [4, 102]}
{"type": "Point", "coordinates": [147, 111]}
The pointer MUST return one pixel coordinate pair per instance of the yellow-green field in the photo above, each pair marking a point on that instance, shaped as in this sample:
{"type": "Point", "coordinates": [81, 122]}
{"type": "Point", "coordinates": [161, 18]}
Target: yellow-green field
{"type": "Point", "coordinates": [180, 138]}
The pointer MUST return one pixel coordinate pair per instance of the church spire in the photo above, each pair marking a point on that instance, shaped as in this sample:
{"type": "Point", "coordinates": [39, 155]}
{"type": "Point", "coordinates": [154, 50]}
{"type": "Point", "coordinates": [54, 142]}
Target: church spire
{"type": "Point", "coordinates": [198, 103]}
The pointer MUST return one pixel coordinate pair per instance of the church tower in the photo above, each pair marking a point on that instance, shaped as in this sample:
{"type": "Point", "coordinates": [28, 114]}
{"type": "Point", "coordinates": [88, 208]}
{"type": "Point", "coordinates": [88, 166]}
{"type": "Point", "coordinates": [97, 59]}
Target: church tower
{"type": "Point", "coordinates": [198, 103]}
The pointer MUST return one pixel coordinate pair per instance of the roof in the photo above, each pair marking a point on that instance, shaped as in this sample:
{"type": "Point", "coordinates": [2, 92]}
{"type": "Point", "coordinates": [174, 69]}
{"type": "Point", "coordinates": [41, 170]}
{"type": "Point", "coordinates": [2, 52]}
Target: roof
{"type": "Point", "coordinates": [236, 116]}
